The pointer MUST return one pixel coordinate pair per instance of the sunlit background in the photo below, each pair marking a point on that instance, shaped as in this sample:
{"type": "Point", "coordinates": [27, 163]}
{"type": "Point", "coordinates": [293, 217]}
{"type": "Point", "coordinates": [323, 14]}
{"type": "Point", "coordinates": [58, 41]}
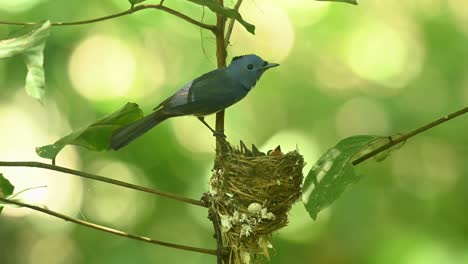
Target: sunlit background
{"type": "Point", "coordinates": [382, 67]}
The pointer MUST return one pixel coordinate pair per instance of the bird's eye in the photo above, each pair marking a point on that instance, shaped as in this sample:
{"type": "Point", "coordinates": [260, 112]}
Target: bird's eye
{"type": "Point", "coordinates": [250, 66]}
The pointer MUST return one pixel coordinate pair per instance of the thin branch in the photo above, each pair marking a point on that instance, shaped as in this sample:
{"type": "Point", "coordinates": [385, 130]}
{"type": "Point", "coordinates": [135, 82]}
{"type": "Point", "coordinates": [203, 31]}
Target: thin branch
{"type": "Point", "coordinates": [99, 178]}
{"type": "Point", "coordinates": [124, 13]}
{"type": "Point", "coordinates": [109, 230]}
{"type": "Point", "coordinates": [231, 25]}
{"type": "Point", "coordinates": [185, 17]}
{"type": "Point", "coordinates": [410, 134]}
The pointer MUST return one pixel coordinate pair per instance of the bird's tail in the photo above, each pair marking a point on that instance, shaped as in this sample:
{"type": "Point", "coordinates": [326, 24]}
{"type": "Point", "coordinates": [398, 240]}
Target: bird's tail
{"type": "Point", "coordinates": [128, 133]}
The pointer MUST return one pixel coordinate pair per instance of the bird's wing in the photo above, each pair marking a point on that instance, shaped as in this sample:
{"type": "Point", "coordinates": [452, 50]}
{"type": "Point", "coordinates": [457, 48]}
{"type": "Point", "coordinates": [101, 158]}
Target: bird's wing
{"type": "Point", "coordinates": [207, 94]}
{"type": "Point", "coordinates": [179, 98]}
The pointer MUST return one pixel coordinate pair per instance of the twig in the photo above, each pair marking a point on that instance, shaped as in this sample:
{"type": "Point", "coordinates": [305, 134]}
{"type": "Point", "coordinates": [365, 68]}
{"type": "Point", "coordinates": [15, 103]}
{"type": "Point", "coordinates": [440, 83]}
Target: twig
{"type": "Point", "coordinates": [410, 134]}
{"type": "Point", "coordinates": [231, 25]}
{"type": "Point", "coordinates": [109, 230]}
{"type": "Point", "coordinates": [124, 13]}
{"type": "Point", "coordinates": [99, 178]}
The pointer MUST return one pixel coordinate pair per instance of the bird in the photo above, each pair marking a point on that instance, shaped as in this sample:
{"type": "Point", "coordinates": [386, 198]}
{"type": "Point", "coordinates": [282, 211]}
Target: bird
{"type": "Point", "coordinates": [207, 94]}
{"type": "Point", "coordinates": [275, 152]}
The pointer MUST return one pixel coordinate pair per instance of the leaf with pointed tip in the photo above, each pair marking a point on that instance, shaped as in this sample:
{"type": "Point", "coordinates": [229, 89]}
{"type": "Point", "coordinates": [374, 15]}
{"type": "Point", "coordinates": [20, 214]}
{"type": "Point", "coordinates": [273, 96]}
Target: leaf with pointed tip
{"type": "Point", "coordinates": [29, 42]}
{"type": "Point", "coordinates": [6, 188]}
{"type": "Point", "coordinates": [95, 136]}
{"type": "Point", "coordinates": [353, 2]}
{"type": "Point", "coordinates": [332, 173]}
{"type": "Point", "coordinates": [227, 12]}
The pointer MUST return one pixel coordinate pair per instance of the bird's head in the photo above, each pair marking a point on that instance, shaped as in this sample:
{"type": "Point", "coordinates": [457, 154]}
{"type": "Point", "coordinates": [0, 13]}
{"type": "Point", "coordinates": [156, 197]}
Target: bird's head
{"type": "Point", "coordinates": [248, 69]}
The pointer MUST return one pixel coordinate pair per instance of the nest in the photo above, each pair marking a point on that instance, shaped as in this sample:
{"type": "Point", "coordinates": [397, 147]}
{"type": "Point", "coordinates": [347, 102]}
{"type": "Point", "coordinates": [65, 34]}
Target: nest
{"type": "Point", "coordinates": [253, 193]}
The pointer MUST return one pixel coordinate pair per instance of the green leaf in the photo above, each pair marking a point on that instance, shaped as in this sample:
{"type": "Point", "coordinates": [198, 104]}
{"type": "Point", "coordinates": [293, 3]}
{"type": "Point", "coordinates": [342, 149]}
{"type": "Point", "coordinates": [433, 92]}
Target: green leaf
{"type": "Point", "coordinates": [24, 39]}
{"type": "Point", "coordinates": [95, 136]}
{"type": "Point", "coordinates": [332, 173]}
{"type": "Point", "coordinates": [35, 78]}
{"type": "Point", "coordinates": [353, 2]}
{"type": "Point", "coordinates": [29, 42]}
{"type": "Point", "coordinates": [134, 2]}
{"type": "Point", "coordinates": [6, 188]}
{"type": "Point", "coordinates": [227, 12]}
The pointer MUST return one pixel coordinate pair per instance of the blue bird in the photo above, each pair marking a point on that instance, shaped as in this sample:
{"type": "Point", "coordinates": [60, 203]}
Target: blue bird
{"type": "Point", "coordinates": [208, 94]}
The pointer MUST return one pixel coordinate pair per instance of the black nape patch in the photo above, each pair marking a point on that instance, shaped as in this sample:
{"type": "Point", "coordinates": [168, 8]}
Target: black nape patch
{"type": "Point", "coordinates": [236, 58]}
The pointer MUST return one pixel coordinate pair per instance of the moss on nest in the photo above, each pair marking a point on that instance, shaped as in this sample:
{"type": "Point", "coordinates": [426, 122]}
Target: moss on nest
{"type": "Point", "coordinates": [253, 195]}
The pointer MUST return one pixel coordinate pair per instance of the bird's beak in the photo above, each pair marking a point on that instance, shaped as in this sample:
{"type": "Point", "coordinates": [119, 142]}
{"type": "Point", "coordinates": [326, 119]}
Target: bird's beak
{"type": "Point", "coordinates": [269, 65]}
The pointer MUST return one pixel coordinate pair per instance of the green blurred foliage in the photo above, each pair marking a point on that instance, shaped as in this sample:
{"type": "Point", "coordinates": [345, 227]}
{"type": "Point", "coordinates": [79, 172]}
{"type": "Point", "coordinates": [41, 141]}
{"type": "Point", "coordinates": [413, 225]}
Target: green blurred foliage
{"type": "Point", "coordinates": [409, 208]}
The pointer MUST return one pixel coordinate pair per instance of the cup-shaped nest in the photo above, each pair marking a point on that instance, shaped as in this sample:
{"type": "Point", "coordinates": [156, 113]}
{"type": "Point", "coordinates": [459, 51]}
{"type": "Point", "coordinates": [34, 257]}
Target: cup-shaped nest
{"type": "Point", "coordinates": [253, 195]}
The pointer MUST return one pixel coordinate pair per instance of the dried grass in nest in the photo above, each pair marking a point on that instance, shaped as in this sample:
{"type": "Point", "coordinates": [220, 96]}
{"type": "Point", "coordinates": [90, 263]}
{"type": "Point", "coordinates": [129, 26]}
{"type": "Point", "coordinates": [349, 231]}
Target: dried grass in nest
{"type": "Point", "coordinates": [253, 196]}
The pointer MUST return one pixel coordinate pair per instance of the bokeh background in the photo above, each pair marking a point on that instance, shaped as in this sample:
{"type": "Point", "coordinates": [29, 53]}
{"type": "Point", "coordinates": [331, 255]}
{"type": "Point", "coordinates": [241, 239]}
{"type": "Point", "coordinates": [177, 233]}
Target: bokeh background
{"type": "Point", "coordinates": [382, 67]}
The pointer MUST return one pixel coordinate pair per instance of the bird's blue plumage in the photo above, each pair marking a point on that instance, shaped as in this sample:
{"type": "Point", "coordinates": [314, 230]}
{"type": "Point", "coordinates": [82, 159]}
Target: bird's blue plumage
{"type": "Point", "coordinates": [210, 93]}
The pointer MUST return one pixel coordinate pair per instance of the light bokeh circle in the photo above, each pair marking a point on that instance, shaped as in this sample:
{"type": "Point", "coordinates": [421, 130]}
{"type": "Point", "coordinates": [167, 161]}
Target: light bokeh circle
{"type": "Point", "coordinates": [361, 115]}
{"type": "Point", "coordinates": [102, 67]}
{"type": "Point", "coordinates": [18, 6]}
{"type": "Point", "coordinates": [274, 33]}
{"type": "Point", "coordinates": [383, 54]}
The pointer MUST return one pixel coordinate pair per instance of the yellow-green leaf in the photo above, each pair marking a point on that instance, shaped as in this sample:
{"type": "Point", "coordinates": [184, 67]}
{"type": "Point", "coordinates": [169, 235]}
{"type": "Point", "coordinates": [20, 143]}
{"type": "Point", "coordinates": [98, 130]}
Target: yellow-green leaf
{"type": "Point", "coordinates": [29, 42]}
{"type": "Point", "coordinates": [97, 135]}
{"type": "Point", "coordinates": [6, 188]}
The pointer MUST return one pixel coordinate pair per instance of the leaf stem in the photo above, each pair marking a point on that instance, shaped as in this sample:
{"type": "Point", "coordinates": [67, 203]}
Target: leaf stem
{"type": "Point", "coordinates": [109, 230]}
{"type": "Point", "coordinates": [124, 13]}
{"type": "Point", "coordinates": [99, 178]}
{"type": "Point", "coordinates": [410, 135]}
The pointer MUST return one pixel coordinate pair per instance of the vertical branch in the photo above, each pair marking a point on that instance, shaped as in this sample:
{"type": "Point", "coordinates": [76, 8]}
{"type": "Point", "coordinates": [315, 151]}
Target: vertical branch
{"type": "Point", "coordinates": [221, 255]}
{"type": "Point", "coordinates": [221, 55]}
{"type": "Point", "coordinates": [220, 28]}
